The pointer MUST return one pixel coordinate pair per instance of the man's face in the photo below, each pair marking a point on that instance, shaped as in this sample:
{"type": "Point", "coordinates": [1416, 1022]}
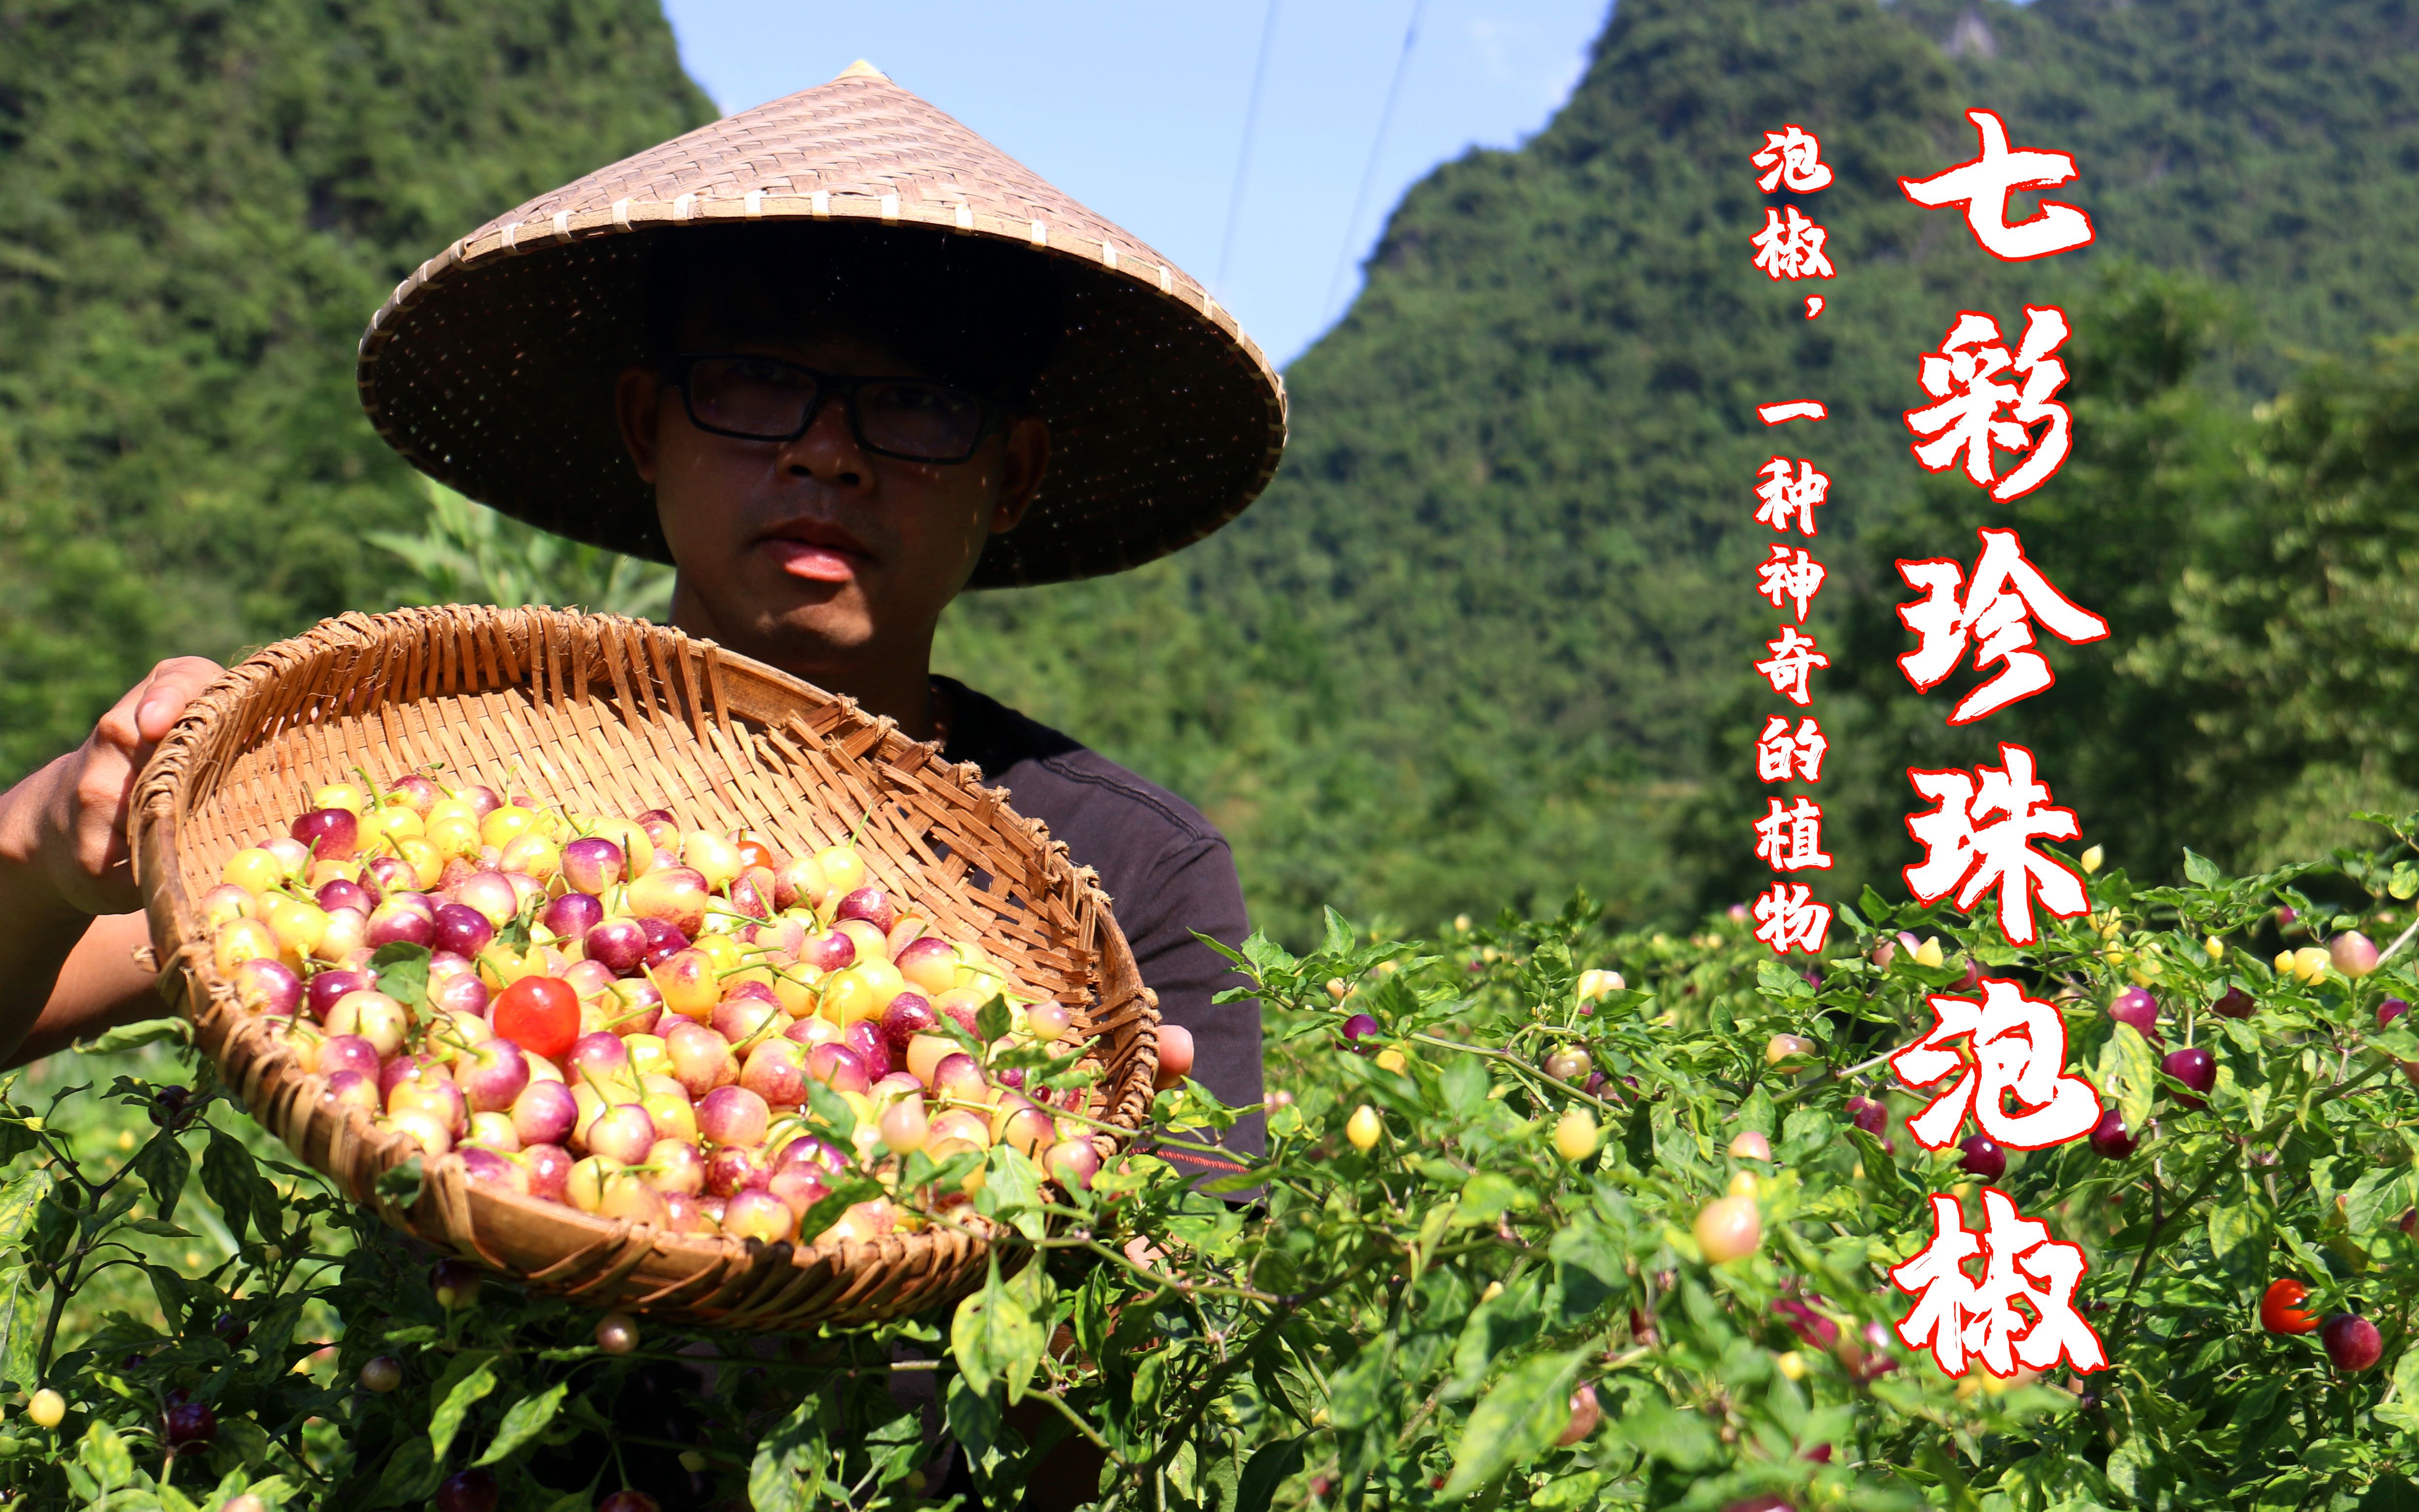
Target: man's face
{"type": "Point", "coordinates": [815, 554]}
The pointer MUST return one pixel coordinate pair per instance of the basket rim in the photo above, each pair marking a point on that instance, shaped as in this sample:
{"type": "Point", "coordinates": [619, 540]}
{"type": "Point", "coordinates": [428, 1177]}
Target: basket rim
{"type": "Point", "coordinates": [184, 949]}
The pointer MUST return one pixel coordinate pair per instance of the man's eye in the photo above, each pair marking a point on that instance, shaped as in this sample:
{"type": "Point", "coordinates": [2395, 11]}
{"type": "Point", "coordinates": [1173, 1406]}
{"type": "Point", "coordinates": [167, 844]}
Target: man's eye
{"type": "Point", "coordinates": [917, 397]}
{"type": "Point", "coordinates": [772, 372]}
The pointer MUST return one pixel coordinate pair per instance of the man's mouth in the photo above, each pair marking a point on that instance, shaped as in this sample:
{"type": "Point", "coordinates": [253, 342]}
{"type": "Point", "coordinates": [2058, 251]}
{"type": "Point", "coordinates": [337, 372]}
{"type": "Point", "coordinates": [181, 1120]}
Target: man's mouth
{"type": "Point", "coordinates": [816, 552]}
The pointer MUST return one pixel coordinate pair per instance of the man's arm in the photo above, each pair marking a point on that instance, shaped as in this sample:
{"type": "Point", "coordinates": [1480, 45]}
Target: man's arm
{"type": "Point", "coordinates": [1198, 891]}
{"type": "Point", "coordinates": [67, 922]}
{"type": "Point", "coordinates": [99, 987]}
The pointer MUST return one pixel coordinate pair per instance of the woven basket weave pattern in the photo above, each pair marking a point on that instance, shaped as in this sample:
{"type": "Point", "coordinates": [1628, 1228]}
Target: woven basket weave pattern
{"type": "Point", "coordinates": [613, 715]}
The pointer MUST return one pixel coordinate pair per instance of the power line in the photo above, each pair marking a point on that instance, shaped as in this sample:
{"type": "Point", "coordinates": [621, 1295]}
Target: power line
{"type": "Point", "coordinates": [1244, 153]}
{"type": "Point", "coordinates": [1377, 146]}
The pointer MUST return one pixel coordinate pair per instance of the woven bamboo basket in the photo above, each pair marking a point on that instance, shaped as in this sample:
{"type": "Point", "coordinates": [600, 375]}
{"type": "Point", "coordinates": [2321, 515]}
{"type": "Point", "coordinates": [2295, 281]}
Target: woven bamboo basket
{"type": "Point", "coordinates": [616, 716]}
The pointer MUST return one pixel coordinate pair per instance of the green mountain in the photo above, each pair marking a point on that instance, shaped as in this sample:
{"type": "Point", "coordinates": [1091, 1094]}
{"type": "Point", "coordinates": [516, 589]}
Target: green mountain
{"type": "Point", "coordinates": [205, 201]}
{"type": "Point", "coordinates": [1490, 632]}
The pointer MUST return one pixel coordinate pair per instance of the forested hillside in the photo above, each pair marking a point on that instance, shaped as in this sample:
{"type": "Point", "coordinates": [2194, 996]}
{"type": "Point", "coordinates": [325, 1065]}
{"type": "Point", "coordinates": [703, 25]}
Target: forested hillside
{"type": "Point", "coordinates": [205, 201]}
{"type": "Point", "coordinates": [1489, 634]}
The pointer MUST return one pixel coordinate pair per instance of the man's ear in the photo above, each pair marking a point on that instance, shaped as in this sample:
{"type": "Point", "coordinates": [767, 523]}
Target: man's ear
{"type": "Point", "coordinates": [1026, 458]}
{"type": "Point", "coordinates": [637, 403]}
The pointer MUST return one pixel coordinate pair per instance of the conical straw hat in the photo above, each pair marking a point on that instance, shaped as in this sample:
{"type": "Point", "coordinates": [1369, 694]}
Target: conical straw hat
{"type": "Point", "coordinates": [492, 368]}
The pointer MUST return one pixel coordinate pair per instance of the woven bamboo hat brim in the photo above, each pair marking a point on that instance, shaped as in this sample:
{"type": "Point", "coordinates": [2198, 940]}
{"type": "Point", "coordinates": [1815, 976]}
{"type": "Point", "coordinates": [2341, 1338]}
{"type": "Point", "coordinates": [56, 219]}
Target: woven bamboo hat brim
{"type": "Point", "coordinates": [492, 368]}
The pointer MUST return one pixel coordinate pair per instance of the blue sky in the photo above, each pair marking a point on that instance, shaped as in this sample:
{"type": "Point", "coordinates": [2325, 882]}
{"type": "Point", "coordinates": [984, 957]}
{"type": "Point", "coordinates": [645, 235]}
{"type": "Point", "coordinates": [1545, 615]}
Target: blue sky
{"type": "Point", "coordinates": [1138, 109]}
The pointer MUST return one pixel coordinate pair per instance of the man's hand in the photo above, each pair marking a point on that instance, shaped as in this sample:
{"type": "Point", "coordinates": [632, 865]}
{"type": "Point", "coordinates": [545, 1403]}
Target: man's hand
{"type": "Point", "coordinates": [62, 830]}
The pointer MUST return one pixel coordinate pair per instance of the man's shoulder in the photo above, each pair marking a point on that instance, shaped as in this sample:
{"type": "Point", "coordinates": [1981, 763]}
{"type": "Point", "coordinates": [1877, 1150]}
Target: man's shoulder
{"type": "Point", "coordinates": [1081, 795]}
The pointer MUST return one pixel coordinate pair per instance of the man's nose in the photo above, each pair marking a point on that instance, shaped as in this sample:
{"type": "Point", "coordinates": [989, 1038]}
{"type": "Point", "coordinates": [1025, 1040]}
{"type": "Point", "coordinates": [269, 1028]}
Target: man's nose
{"type": "Point", "coordinates": [827, 452]}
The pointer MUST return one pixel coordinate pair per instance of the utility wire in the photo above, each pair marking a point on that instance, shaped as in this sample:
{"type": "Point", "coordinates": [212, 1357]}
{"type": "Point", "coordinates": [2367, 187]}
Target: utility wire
{"type": "Point", "coordinates": [1377, 146]}
{"type": "Point", "coordinates": [1244, 153]}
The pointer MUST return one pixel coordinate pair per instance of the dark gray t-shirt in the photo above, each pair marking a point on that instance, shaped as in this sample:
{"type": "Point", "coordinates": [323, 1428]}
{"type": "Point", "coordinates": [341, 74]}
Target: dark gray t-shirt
{"type": "Point", "coordinates": [1167, 873]}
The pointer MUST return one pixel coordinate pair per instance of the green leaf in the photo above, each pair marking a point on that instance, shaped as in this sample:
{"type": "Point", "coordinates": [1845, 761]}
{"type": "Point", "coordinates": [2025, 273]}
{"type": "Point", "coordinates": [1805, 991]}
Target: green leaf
{"type": "Point", "coordinates": [1486, 1198]}
{"type": "Point", "coordinates": [1773, 980]}
{"type": "Point", "coordinates": [1504, 1322]}
{"type": "Point", "coordinates": [402, 971]}
{"type": "Point", "coordinates": [1679, 1439]}
{"type": "Point", "coordinates": [1805, 1133]}
{"type": "Point", "coordinates": [1515, 1422]}
{"type": "Point", "coordinates": [2404, 882]}
{"type": "Point", "coordinates": [2130, 1073]}
{"type": "Point", "coordinates": [992, 1019]}
{"type": "Point", "coordinates": [2396, 1041]}
{"type": "Point", "coordinates": [831, 1108]}
{"type": "Point", "coordinates": [2378, 1198]}
{"type": "Point", "coordinates": [1012, 1190]}
{"type": "Point", "coordinates": [1465, 1085]}
{"type": "Point", "coordinates": [1568, 1491]}
{"type": "Point", "coordinates": [980, 1427]}
{"type": "Point", "coordinates": [21, 1200]}
{"type": "Point", "coordinates": [523, 1420]}
{"type": "Point", "coordinates": [846, 1192]}
{"type": "Point", "coordinates": [410, 1475]}
{"type": "Point", "coordinates": [1269, 1468]}
{"type": "Point", "coordinates": [1362, 1389]}
{"type": "Point", "coordinates": [994, 1339]}
{"type": "Point", "coordinates": [232, 1178]}
{"type": "Point", "coordinates": [2200, 870]}
{"type": "Point", "coordinates": [1879, 1167]}
{"type": "Point", "coordinates": [2406, 1375]}
{"type": "Point", "coordinates": [1265, 956]}
{"type": "Point", "coordinates": [787, 1475]}
{"type": "Point", "coordinates": [156, 1229]}
{"type": "Point", "coordinates": [135, 1036]}
{"type": "Point", "coordinates": [103, 1456]}
{"type": "Point", "coordinates": [2235, 1233]}
{"type": "Point", "coordinates": [401, 1184]}
{"type": "Point", "coordinates": [1589, 1266]}
{"type": "Point", "coordinates": [447, 1420]}
{"type": "Point", "coordinates": [164, 1165]}
{"type": "Point", "coordinates": [20, 1330]}
{"type": "Point", "coordinates": [170, 1288]}
{"type": "Point", "coordinates": [276, 1491]}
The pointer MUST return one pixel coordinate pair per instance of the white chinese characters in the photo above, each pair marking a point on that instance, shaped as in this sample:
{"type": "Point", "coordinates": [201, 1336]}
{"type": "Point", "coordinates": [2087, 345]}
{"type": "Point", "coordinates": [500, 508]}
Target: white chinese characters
{"type": "Point", "coordinates": [1787, 918]}
{"type": "Point", "coordinates": [1983, 184]}
{"type": "Point", "coordinates": [1992, 613]}
{"type": "Point", "coordinates": [2018, 1052]}
{"type": "Point", "coordinates": [1960, 1319]}
{"type": "Point", "coordinates": [1789, 246]}
{"type": "Point", "coordinates": [1979, 410]}
{"type": "Point", "coordinates": [1789, 838]}
{"type": "Point", "coordinates": [1980, 841]}
{"type": "Point", "coordinates": [1784, 498]}
{"type": "Point", "coordinates": [1781, 754]}
{"type": "Point", "coordinates": [1790, 575]}
{"type": "Point", "coordinates": [1791, 155]}
{"type": "Point", "coordinates": [1794, 660]}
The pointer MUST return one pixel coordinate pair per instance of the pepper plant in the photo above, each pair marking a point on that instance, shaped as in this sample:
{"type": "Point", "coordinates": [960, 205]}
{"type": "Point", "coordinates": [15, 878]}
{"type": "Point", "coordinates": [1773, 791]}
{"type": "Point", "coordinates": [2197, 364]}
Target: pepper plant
{"type": "Point", "coordinates": [1468, 1273]}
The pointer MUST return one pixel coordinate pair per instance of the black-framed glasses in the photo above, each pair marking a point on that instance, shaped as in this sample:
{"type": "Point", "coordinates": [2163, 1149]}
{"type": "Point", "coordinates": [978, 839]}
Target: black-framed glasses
{"type": "Point", "coordinates": [757, 399]}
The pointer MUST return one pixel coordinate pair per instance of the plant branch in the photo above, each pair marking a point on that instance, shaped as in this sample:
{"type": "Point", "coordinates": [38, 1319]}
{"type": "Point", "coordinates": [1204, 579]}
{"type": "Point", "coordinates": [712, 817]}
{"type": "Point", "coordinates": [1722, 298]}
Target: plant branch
{"type": "Point", "coordinates": [1523, 1067]}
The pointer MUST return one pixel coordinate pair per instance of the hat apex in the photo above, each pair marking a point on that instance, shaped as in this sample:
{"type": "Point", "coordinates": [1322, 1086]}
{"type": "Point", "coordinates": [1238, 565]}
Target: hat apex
{"type": "Point", "coordinates": [861, 70]}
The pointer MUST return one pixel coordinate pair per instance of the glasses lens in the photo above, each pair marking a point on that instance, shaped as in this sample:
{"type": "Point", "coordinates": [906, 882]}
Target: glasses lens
{"type": "Point", "coordinates": [928, 422]}
{"type": "Point", "coordinates": [750, 396]}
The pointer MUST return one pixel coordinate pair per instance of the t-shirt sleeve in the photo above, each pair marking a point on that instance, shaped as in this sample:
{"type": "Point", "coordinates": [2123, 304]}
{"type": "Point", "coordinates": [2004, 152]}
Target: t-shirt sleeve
{"type": "Point", "coordinates": [1197, 889]}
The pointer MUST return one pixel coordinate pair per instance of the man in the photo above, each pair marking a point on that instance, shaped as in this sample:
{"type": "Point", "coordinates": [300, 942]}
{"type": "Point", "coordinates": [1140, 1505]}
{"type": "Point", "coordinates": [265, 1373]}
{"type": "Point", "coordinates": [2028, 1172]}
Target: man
{"type": "Point", "coordinates": [836, 359]}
